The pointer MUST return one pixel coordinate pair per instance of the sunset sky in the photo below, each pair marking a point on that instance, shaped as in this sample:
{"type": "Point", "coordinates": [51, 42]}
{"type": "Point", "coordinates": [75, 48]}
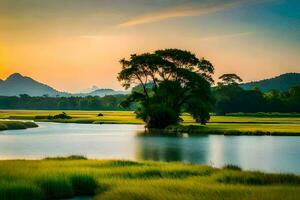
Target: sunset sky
{"type": "Point", "coordinates": [74, 44]}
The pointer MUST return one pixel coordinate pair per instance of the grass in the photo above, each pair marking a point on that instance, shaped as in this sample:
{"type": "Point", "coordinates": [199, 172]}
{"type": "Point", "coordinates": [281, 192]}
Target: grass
{"type": "Point", "coordinates": [225, 125]}
{"type": "Point", "coordinates": [15, 125]}
{"type": "Point", "coordinates": [115, 179]}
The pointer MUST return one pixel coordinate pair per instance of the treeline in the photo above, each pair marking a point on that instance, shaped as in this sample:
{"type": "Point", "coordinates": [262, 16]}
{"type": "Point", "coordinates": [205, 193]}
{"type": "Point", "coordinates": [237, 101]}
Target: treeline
{"type": "Point", "coordinates": [110, 102]}
{"type": "Point", "coordinates": [233, 99]}
{"type": "Point", "coordinates": [228, 99]}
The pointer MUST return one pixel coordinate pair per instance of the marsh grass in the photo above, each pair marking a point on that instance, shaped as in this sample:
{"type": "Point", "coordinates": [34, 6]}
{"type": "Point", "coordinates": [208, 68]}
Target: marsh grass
{"type": "Point", "coordinates": [20, 191]}
{"type": "Point", "coordinates": [257, 178]}
{"type": "Point", "coordinates": [55, 186]}
{"type": "Point", "coordinates": [127, 180]}
{"type": "Point", "coordinates": [15, 125]}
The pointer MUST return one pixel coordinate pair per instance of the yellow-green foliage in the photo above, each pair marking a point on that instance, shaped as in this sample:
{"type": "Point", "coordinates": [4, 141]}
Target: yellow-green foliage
{"type": "Point", "coordinates": [277, 125]}
{"type": "Point", "coordinates": [127, 180]}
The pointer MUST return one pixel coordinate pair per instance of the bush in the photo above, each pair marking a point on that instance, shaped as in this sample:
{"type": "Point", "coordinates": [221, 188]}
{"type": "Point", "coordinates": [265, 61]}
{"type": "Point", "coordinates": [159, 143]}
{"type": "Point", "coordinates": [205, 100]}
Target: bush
{"type": "Point", "coordinates": [63, 115]}
{"type": "Point", "coordinates": [232, 167]}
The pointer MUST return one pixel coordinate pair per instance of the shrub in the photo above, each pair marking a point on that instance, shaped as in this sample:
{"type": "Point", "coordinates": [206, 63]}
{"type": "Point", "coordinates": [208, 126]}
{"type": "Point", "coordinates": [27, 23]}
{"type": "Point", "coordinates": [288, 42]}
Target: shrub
{"type": "Point", "coordinates": [62, 115]}
{"type": "Point", "coordinates": [232, 167]}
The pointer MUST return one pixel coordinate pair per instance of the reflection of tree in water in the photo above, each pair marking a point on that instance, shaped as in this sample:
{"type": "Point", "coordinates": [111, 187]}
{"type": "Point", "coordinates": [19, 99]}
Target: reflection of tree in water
{"type": "Point", "coordinates": [159, 148]}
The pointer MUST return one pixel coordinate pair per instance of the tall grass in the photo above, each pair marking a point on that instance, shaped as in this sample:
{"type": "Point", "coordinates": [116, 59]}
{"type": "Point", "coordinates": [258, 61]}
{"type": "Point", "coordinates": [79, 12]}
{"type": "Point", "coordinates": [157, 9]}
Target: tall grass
{"type": "Point", "coordinates": [66, 178]}
{"type": "Point", "coordinates": [257, 178]}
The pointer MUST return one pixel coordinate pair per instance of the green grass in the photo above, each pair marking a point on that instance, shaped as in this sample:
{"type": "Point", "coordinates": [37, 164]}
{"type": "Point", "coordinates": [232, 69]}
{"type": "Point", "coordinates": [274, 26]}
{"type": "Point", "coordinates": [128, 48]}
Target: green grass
{"type": "Point", "coordinates": [115, 179]}
{"type": "Point", "coordinates": [15, 125]}
{"type": "Point", "coordinates": [227, 125]}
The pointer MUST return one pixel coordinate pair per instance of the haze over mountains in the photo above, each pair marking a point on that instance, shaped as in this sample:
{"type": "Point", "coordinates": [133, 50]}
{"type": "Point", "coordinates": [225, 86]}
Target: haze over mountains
{"type": "Point", "coordinates": [17, 84]}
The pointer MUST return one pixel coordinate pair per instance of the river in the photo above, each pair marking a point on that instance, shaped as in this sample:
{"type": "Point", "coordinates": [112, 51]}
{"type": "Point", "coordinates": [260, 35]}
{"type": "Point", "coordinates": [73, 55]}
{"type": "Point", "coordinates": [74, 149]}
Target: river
{"type": "Point", "coordinates": [108, 141]}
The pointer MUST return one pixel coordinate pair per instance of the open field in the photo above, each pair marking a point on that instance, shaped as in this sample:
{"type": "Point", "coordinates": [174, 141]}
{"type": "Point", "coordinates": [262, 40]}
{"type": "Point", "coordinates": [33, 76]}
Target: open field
{"type": "Point", "coordinates": [259, 125]}
{"type": "Point", "coordinates": [64, 178]}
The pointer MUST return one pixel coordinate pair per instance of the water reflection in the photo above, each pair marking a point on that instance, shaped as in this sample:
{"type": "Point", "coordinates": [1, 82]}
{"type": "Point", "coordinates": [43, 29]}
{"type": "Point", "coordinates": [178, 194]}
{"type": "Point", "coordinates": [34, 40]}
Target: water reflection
{"type": "Point", "coordinates": [172, 149]}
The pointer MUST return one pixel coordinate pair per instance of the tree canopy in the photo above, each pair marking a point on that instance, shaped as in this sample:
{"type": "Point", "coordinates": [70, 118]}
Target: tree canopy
{"type": "Point", "coordinates": [172, 81]}
{"type": "Point", "coordinates": [229, 79]}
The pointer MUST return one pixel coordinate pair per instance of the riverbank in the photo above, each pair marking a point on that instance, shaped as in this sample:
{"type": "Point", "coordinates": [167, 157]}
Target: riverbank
{"type": "Point", "coordinates": [60, 178]}
{"type": "Point", "coordinates": [16, 125]}
{"type": "Point", "coordinates": [221, 125]}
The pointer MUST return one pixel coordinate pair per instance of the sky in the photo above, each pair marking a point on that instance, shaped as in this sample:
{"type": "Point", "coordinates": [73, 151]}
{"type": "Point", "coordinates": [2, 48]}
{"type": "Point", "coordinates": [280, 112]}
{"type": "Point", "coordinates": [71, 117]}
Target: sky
{"type": "Point", "coordinates": [74, 44]}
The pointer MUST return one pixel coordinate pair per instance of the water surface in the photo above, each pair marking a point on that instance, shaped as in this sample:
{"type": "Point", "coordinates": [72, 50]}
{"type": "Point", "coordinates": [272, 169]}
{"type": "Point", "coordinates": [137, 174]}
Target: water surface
{"type": "Point", "coordinates": [265, 153]}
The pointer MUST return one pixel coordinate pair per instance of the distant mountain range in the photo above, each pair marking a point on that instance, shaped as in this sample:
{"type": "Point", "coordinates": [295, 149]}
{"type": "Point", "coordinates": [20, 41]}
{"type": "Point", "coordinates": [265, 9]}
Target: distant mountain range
{"type": "Point", "coordinates": [100, 92]}
{"type": "Point", "coordinates": [282, 82]}
{"type": "Point", "coordinates": [17, 84]}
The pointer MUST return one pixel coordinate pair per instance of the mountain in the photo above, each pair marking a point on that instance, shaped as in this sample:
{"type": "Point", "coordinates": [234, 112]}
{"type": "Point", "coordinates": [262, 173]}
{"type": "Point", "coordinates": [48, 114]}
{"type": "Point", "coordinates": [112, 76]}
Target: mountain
{"type": "Point", "coordinates": [282, 82]}
{"type": "Point", "coordinates": [89, 90]}
{"type": "Point", "coordinates": [101, 93]}
{"type": "Point", "coordinates": [17, 84]}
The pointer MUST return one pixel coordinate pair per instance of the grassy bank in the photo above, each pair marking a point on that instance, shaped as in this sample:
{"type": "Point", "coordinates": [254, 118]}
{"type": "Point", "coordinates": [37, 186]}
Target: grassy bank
{"type": "Point", "coordinates": [64, 178]}
{"type": "Point", "coordinates": [15, 125]}
{"type": "Point", "coordinates": [227, 125]}
{"type": "Point", "coordinates": [234, 129]}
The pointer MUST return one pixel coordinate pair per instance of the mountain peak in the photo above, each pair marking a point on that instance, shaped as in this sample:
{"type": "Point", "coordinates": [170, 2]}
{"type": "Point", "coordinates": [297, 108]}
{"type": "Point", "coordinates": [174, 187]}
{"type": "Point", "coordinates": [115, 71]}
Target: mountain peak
{"type": "Point", "coordinates": [15, 76]}
{"type": "Point", "coordinates": [17, 84]}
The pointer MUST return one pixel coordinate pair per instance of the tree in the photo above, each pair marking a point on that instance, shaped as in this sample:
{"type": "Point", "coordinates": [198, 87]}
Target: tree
{"type": "Point", "coordinates": [171, 81]}
{"type": "Point", "coordinates": [229, 79]}
{"type": "Point", "coordinates": [226, 93]}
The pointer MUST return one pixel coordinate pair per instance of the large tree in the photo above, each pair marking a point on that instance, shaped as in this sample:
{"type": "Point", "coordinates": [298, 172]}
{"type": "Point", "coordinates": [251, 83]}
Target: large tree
{"type": "Point", "coordinates": [171, 81]}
